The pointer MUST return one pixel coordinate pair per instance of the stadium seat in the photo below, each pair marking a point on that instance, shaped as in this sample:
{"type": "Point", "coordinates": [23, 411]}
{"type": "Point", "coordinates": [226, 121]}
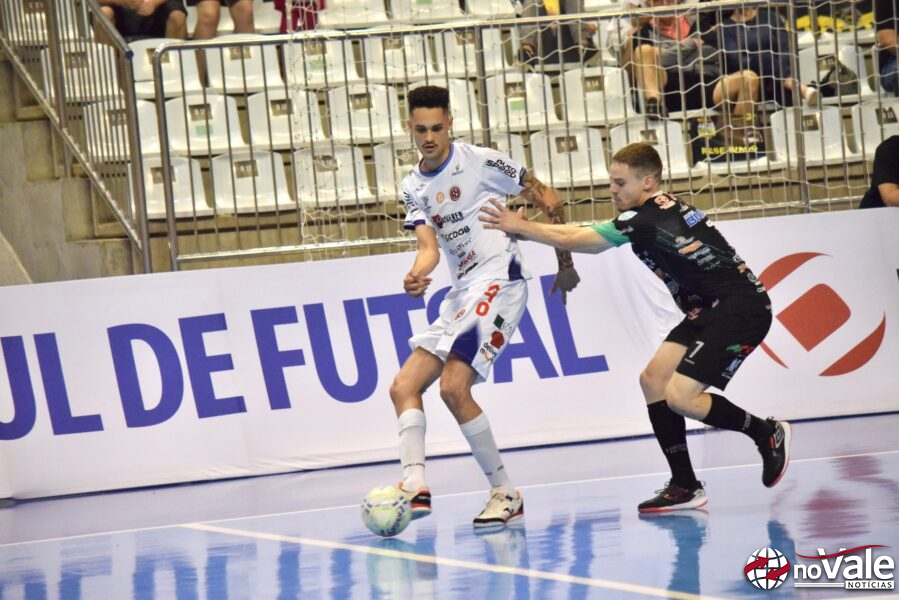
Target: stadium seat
{"type": "Point", "coordinates": [490, 9]}
{"type": "Point", "coordinates": [188, 193]}
{"type": "Point", "coordinates": [521, 102]}
{"type": "Point", "coordinates": [203, 125]}
{"type": "Point", "coordinates": [243, 69]}
{"type": "Point", "coordinates": [393, 161]}
{"type": "Point", "coordinates": [457, 56]}
{"type": "Point", "coordinates": [24, 23]}
{"type": "Point", "coordinates": [596, 95]}
{"type": "Point", "coordinates": [270, 123]}
{"type": "Point", "coordinates": [90, 71]}
{"type": "Point", "coordinates": [430, 11]}
{"type": "Point", "coordinates": [816, 63]}
{"type": "Point", "coordinates": [329, 175]}
{"type": "Point", "coordinates": [361, 114]}
{"type": "Point", "coordinates": [173, 62]}
{"type": "Point", "coordinates": [249, 182]}
{"type": "Point", "coordinates": [396, 58]}
{"type": "Point", "coordinates": [265, 18]}
{"type": "Point", "coordinates": [572, 158]}
{"type": "Point", "coordinates": [320, 64]}
{"type": "Point", "coordinates": [463, 104]}
{"type": "Point", "coordinates": [351, 14]}
{"type": "Point", "coordinates": [106, 131]}
{"type": "Point", "coordinates": [666, 135]}
{"type": "Point", "coordinates": [874, 122]}
{"type": "Point", "coordinates": [822, 136]}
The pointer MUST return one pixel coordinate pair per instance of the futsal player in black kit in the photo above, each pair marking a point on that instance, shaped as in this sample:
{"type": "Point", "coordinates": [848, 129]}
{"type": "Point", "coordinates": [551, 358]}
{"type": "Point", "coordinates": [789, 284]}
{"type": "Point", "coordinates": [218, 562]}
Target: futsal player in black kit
{"type": "Point", "coordinates": [727, 313]}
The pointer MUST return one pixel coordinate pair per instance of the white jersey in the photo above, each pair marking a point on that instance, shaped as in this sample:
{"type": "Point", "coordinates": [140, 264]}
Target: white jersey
{"type": "Point", "coordinates": [449, 200]}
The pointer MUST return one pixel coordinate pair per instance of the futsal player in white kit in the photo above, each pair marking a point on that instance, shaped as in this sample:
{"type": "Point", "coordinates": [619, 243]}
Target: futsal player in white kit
{"type": "Point", "coordinates": [443, 196]}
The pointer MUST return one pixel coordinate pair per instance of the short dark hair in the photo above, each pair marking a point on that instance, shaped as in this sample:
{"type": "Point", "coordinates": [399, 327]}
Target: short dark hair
{"type": "Point", "coordinates": [428, 96]}
{"type": "Point", "coordinates": [641, 157]}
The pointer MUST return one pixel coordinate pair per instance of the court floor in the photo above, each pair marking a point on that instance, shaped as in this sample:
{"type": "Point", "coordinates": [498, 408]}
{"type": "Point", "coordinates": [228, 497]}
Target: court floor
{"type": "Point", "coordinates": [300, 536]}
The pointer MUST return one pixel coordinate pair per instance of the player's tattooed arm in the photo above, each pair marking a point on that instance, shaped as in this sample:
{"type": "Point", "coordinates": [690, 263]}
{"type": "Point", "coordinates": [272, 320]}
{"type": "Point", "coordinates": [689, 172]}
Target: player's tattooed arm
{"type": "Point", "coordinates": [547, 200]}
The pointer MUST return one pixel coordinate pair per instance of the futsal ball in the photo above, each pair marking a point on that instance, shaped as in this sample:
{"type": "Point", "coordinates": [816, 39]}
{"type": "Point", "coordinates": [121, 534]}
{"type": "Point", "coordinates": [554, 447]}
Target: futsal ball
{"type": "Point", "coordinates": [386, 511]}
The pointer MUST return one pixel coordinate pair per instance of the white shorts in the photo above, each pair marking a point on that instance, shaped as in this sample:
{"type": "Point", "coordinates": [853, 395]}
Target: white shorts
{"type": "Point", "coordinates": [475, 324]}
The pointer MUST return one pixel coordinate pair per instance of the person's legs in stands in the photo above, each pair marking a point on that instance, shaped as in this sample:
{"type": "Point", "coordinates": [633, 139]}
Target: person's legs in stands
{"type": "Point", "coordinates": [651, 78]}
{"type": "Point", "coordinates": [208, 15]}
{"type": "Point", "coordinates": [176, 20]}
{"type": "Point", "coordinates": [242, 15]}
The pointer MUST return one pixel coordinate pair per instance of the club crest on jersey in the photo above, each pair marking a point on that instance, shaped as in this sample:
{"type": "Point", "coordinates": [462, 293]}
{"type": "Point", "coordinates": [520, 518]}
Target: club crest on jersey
{"type": "Point", "coordinates": [455, 193]}
{"type": "Point", "coordinates": [440, 197]}
{"type": "Point", "coordinates": [626, 215]}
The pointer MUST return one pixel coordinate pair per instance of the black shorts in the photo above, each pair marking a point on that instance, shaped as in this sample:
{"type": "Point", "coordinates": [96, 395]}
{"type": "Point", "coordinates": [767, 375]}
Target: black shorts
{"type": "Point", "coordinates": [719, 338]}
{"type": "Point", "coordinates": [697, 92]}
{"type": "Point", "coordinates": [132, 25]}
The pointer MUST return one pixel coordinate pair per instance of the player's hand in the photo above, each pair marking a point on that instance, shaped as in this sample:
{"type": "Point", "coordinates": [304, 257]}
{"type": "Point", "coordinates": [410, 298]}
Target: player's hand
{"type": "Point", "coordinates": [145, 8]}
{"type": "Point", "coordinates": [415, 284]}
{"type": "Point", "coordinates": [566, 280]}
{"type": "Point", "coordinates": [498, 216]}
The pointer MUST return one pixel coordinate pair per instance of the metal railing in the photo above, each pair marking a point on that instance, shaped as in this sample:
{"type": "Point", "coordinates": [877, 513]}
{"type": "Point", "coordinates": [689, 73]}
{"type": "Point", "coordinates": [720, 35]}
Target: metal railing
{"type": "Point", "coordinates": [272, 145]}
{"type": "Point", "coordinates": [86, 88]}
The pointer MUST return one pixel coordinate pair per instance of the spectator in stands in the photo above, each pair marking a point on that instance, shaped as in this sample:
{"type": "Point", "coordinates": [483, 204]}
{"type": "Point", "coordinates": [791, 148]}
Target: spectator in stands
{"type": "Point", "coordinates": [302, 18]}
{"type": "Point", "coordinates": [884, 190]}
{"type": "Point", "coordinates": [757, 40]}
{"type": "Point", "coordinates": [573, 42]}
{"type": "Point", "coordinates": [137, 19]}
{"type": "Point", "coordinates": [887, 24]}
{"type": "Point", "coordinates": [210, 11]}
{"type": "Point", "coordinates": [676, 70]}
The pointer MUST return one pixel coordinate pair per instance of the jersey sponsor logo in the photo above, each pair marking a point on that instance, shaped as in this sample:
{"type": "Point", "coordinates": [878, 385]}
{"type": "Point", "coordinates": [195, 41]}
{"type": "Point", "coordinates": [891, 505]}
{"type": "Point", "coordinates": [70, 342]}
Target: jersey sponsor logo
{"type": "Point", "coordinates": [454, 234]}
{"type": "Point", "coordinates": [690, 248]}
{"type": "Point", "coordinates": [440, 220]}
{"type": "Point", "coordinates": [459, 315]}
{"type": "Point", "coordinates": [693, 217]}
{"type": "Point", "coordinates": [466, 270]}
{"type": "Point", "coordinates": [497, 340]}
{"type": "Point", "coordinates": [440, 197]}
{"type": "Point", "coordinates": [457, 170]}
{"type": "Point", "coordinates": [468, 258]}
{"type": "Point", "coordinates": [503, 167]}
{"type": "Point", "coordinates": [407, 200]}
{"type": "Point", "coordinates": [455, 193]}
{"type": "Point", "coordinates": [627, 215]}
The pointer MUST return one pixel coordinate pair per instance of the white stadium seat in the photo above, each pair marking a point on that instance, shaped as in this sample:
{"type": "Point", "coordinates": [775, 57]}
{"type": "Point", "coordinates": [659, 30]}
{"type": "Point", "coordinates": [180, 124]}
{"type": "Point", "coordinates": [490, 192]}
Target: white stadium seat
{"type": "Point", "coordinates": [572, 158]}
{"type": "Point", "coordinates": [352, 14]}
{"type": "Point", "coordinates": [430, 11]}
{"type": "Point", "coordinates": [521, 102]}
{"type": "Point", "coordinates": [179, 70]}
{"type": "Point", "coordinates": [456, 53]}
{"type": "Point", "coordinates": [320, 64]}
{"type": "Point", "coordinates": [666, 135]}
{"type": "Point", "coordinates": [188, 193]}
{"type": "Point", "coordinates": [596, 95]}
{"type": "Point", "coordinates": [393, 161]}
{"type": "Point", "coordinates": [365, 114]}
{"type": "Point", "coordinates": [815, 63]}
{"type": "Point", "coordinates": [250, 182]}
{"type": "Point", "coordinates": [396, 58]}
{"type": "Point", "coordinates": [874, 122]}
{"type": "Point", "coordinates": [203, 125]}
{"type": "Point", "coordinates": [490, 9]}
{"type": "Point", "coordinates": [269, 115]}
{"type": "Point", "coordinates": [106, 131]}
{"type": "Point", "coordinates": [329, 175]}
{"type": "Point", "coordinates": [822, 136]}
{"type": "Point", "coordinates": [240, 69]}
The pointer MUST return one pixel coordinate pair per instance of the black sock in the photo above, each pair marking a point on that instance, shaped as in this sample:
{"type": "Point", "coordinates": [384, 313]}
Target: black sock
{"type": "Point", "coordinates": [726, 415]}
{"type": "Point", "coordinates": [670, 429]}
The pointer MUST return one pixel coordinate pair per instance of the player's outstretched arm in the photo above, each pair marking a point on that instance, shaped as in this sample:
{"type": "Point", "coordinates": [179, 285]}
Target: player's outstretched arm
{"type": "Point", "coordinates": [416, 281]}
{"type": "Point", "coordinates": [547, 200]}
{"type": "Point", "coordinates": [566, 237]}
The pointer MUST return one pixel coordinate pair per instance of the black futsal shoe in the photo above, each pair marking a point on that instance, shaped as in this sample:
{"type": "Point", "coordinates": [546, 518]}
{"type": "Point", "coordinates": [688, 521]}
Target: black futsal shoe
{"type": "Point", "coordinates": [775, 451]}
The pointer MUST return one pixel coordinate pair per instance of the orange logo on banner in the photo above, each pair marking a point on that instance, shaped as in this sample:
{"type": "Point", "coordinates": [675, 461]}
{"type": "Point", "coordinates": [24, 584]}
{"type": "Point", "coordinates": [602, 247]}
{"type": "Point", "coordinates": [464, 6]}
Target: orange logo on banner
{"type": "Point", "coordinates": [816, 315]}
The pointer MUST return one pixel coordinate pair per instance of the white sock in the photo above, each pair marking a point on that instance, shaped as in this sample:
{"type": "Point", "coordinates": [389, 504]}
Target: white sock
{"type": "Point", "coordinates": [483, 447]}
{"type": "Point", "coordinates": [412, 448]}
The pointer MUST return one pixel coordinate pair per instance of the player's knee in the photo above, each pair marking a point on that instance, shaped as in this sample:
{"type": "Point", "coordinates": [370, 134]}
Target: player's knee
{"type": "Point", "coordinates": [652, 382]}
{"type": "Point", "coordinates": [679, 400]}
{"type": "Point", "coordinates": [452, 393]}
{"type": "Point", "coordinates": [646, 53]}
{"type": "Point", "coordinates": [176, 19]}
{"type": "Point", "coordinates": [400, 389]}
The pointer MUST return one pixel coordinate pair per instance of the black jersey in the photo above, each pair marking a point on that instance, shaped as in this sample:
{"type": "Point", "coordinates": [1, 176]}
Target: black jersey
{"type": "Point", "coordinates": [677, 242]}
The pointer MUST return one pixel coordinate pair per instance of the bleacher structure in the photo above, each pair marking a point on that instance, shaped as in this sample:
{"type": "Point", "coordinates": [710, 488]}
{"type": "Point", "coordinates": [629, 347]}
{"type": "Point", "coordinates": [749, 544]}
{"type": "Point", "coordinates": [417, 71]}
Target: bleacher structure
{"type": "Point", "coordinates": [296, 144]}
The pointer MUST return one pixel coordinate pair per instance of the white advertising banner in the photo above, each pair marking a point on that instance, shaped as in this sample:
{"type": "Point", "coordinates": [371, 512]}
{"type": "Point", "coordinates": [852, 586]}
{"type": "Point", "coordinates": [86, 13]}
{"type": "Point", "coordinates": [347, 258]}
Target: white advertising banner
{"type": "Point", "coordinates": [172, 377]}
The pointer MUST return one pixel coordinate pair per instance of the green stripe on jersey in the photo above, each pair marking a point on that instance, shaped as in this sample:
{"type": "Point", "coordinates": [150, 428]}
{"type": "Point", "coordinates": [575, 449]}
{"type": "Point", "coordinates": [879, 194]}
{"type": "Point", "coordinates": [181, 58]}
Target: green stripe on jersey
{"type": "Point", "coordinates": [607, 230]}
